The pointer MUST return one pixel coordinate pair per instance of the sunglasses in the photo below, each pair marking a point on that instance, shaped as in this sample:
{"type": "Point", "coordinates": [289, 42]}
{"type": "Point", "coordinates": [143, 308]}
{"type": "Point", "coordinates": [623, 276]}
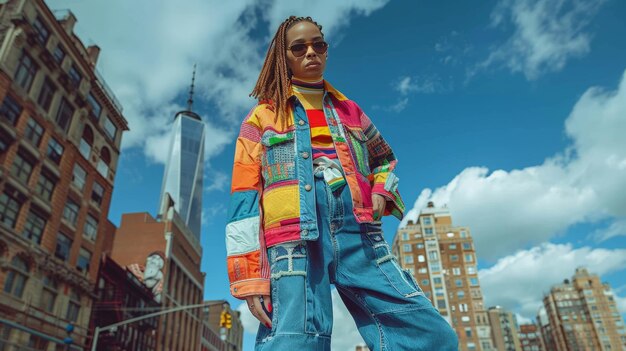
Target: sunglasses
{"type": "Point", "coordinates": [298, 50]}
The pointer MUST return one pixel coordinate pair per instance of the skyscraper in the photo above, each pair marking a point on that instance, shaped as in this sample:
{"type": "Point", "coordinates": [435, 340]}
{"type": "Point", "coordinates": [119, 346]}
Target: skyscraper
{"type": "Point", "coordinates": [183, 175]}
{"type": "Point", "coordinates": [442, 259]}
{"type": "Point", "coordinates": [582, 314]}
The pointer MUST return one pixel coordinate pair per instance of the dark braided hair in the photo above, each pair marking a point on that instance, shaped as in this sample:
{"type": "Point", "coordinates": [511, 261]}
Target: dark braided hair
{"type": "Point", "coordinates": [274, 81]}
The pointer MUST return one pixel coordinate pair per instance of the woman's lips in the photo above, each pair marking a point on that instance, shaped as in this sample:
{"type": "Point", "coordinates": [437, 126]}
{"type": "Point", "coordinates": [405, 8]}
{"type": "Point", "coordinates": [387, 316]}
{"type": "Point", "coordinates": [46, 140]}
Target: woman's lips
{"type": "Point", "coordinates": [312, 64]}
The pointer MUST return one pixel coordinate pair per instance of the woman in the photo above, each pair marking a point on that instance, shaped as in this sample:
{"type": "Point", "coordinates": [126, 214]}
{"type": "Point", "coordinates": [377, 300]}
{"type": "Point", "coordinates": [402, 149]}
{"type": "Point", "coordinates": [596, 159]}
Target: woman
{"type": "Point", "coordinates": [311, 178]}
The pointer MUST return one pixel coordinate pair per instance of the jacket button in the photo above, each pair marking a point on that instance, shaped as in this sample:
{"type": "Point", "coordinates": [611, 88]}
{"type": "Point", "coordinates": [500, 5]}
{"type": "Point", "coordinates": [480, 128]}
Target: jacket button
{"type": "Point", "coordinates": [305, 155]}
{"type": "Point", "coordinates": [301, 122]}
{"type": "Point", "coordinates": [305, 232]}
{"type": "Point", "coordinates": [307, 187]}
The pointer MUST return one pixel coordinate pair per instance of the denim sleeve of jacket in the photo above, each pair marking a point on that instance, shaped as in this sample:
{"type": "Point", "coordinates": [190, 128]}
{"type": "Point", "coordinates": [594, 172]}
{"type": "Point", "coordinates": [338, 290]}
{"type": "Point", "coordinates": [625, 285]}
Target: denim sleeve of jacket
{"type": "Point", "coordinates": [382, 162]}
{"type": "Point", "coordinates": [248, 270]}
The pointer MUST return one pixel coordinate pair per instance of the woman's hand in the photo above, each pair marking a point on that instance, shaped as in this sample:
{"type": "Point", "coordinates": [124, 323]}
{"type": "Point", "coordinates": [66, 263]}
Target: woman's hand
{"type": "Point", "coordinates": [254, 305]}
{"type": "Point", "coordinates": [379, 206]}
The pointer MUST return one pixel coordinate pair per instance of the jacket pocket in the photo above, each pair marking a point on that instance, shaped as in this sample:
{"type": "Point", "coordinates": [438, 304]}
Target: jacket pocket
{"type": "Point", "coordinates": [358, 147]}
{"type": "Point", "coordinates": [277, 160]}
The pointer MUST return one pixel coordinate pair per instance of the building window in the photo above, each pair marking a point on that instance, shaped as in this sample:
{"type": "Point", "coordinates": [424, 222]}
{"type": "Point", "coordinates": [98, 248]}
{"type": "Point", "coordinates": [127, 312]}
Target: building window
{"type": "Point", "coordinates": [406, 247]}
{"type": "Point", "coordinates": [73, 307]}
{"type": "Point", "coordinates": [428, 231]}
{"type": "Point", "coordinates": [456, 271]}
{"type": "Point", "coordinates": [422, 270]}
{"type": "Point", "coordinates": [86, 142]}
{"type": "Point", "coordinates": [460, 294]}
{"type": "Point", "coordinates": [64, 244]}
{"type": "Point", "coordinates": [49, 294]}
{"type": "Point", "coordinates": [26, 70]}
{"type": "Point", "coordinates": [463, 308]}
{"type": "Point", "coordinates": [21, 168]}
{"type": "Point", "coordinates": [419, 246]}
{"type": "Point", "coordinates": [405, 236]}
{"type": "Point", "coordinates": [454, 258]}
{"type": "Point", "coordinates": [84, 260]}
{"type": "Point", "coordinates": [64, 114]}
{"type": "Point", "coordinates": [45, 186]}
{"type": "Point", "coordinates": [435, 267]}
{"type": "Point", "coordinates": [79, 176]}
{"type": "Point", "coordinates": [97, 193]}
{"type": "Point", "coordinates": [46, 94]}
{"type": "Point", "coordinates": [59, 54]}
{"type": "Point", "coordinates": [43, 33]}
{"type": "Point", "coordinates": [34, 227]}
{"type": "Point", "coordinates": [471, 346]}
{"type": "Point", "coordinates": [103, 163]}
{"type": "Point", "coordinates": [458, 283]}
{"type": "Point", "coordinates": [467, 246]}
{"type": "Point", "coordinates": [437, 280]}
{"type": "Point", "coordinates": [420, 258]}
{"type": "Point", "coordinates": [33, 132]}
{"type": "Point", "coordinates": [452, 246]}
{"type": "Point", "coordinates": [432, 255]}
{"type": "Point", "coordinates": [9, 210]}
{"type": "Point", "coordinates": [408, 259]}
{"type": "Point", "coordinates": [427, 221]}
{"type": "Point", "coordinates": [463, 234]}
{"type": "Point", "coordinates": [96, 108]}
{"type": "Point", "coordinates": [469, 258]}
{"type": "Point", "coordinates": [90, 231]}
{"type": "Point", "coordinates": [471, 269]}
{"type": "Point", "coordinates": [110, 128]}
{"type": "Point", "coordinates": [16, 277]}
{"type": "Point", "coordinates": [55, 150]}
{"type": "Point", "coordinates": [425, 282]}
{"type": "Point", "coordinates": [75, 76]}
{"type": "Point", "coordinates": [441, 304]}
{"type": "Point", "coordinates": [70, 212]}
{"type": "Point", "coordinates": [473, 281]}
{"type": "Point", "coordinates": [10, 109]}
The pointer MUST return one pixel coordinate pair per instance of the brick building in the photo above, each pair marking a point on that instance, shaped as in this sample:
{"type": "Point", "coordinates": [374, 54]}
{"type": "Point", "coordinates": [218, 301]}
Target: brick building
{"type": "Point", "coordinates": [581, 314]}
{"type": "Point", "coordinates": [503, 329]}
{"type": "Point", "coordinates": [442, 259]}
{"type": "Point", "coordinates": [232, 337]}
{"type": "Point", "coordinates": [530, 338]}
{"type": "Point", "coordinates": [60, 134]}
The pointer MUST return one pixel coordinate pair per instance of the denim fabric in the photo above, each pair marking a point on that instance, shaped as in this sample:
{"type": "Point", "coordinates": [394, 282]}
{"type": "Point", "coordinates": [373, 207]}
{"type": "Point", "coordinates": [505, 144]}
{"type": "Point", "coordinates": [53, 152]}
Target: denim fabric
{"type": "Point", "coordinates": [390, 310]}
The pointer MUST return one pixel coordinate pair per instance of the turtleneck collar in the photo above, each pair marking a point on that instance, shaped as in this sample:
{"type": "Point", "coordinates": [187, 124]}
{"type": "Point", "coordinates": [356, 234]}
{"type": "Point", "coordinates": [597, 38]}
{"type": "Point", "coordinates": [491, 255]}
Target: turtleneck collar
{"type": "Point", "coordinates": [303, 86]}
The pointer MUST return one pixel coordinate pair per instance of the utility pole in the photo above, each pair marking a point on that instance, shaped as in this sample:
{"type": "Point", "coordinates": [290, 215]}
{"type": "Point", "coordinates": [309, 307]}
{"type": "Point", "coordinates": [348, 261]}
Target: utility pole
{"type": "Point", "coordinates": [96, 334]}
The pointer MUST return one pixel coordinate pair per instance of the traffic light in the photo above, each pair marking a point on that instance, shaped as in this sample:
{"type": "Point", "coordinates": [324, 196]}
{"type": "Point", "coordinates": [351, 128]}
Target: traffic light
{"type": "Point", "coordinates": [226, 320]}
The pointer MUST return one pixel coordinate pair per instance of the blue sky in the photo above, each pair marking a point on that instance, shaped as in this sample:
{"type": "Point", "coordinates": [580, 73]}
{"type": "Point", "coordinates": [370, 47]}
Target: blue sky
{"type": "Point", "coordinates": [510, 112]}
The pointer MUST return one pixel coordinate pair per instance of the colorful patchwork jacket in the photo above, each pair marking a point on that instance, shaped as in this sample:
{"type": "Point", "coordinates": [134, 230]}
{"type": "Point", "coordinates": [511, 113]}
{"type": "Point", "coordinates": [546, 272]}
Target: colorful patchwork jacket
{"type": "Point", "coordinates": [272, 200]}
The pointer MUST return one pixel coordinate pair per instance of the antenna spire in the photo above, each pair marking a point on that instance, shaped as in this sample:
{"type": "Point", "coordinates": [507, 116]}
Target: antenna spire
{"type": "Point", "coordinates": [193, 80]}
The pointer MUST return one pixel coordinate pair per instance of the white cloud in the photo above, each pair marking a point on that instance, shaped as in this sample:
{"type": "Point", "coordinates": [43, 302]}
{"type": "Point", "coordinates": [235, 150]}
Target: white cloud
{"type": "Point", "coordinates": [617, 228]}
{"type": "Point", "coordinates": [507, 210]}
{"type": "Point", "coordinates": [519, 281]}
{"type": "Point", "coordinates": [345, 334]}
{"type": "Point", "coordinates": [148, 51]}
{"type": "Point", "coordinates": [546, 34]}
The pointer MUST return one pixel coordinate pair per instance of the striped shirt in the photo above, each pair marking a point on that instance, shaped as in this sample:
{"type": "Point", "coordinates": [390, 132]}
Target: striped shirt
{"type": "Point", "coordinates": [310, 95]}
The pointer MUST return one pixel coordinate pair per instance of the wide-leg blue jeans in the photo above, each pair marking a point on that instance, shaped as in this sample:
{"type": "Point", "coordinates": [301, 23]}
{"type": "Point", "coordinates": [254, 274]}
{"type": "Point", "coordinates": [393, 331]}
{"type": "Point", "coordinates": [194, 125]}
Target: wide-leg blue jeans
{"type": "Point", "coordinates": [389, 308]}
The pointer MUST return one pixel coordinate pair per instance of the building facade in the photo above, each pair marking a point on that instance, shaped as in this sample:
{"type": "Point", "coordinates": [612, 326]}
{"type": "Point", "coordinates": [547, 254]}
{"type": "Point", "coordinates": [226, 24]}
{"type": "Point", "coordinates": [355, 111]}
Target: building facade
{"type": "Point", "coordinates": [503, 329]}
{"type": "Point", "coordinates": [581, 314]}
{"type": "Point", "coordinates": [172, 258]}
{"type": "Point", "coordinates": [120, 296]}
{"type": "Point", "coordinates": [442, 259]}
{"type": "Point", "coordinates": [60, 134]}
{"type": "Point", "coordinates": [530, 338]}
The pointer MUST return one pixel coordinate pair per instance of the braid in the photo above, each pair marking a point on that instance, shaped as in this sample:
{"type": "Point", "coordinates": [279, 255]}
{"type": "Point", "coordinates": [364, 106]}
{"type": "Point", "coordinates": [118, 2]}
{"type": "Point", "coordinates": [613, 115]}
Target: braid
{"type": "Point", "coordinates": [274, 82]}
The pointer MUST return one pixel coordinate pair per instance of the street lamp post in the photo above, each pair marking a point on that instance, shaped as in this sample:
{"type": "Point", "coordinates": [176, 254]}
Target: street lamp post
{"type": "Point", "coordinates": [132, 320]}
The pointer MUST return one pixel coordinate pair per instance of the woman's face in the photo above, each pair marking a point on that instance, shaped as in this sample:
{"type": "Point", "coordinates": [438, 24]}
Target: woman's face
{"type": "Point", "coordinates": [311, 65]}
